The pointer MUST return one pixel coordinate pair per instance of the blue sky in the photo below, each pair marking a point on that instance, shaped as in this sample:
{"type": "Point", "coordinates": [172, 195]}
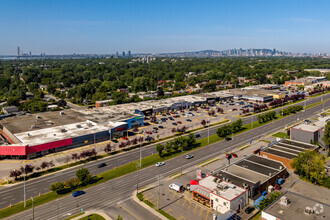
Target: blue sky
{"type": "Point", "coordinates": [79, 26]}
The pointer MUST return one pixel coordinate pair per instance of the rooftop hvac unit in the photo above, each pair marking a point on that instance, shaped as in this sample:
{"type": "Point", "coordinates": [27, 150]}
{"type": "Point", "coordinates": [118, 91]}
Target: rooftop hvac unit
{"type": "Point", "coordinates": [308, 211]}
{"type": "Point", "coordinates": [38, 117]}
{"type": "Point", "coordinates": [63, 130]}
{"type": "Point", "coordinates": [270, 174]}
{"type": "Point", "coordinates": [284, 201]}
{"type": "Point", "coordinates": [281, 167]}
{"type": "Point", "coordinates": [89, 124]}
{"type": "Point", "coordinates": [61, 113]}
{"type": "Point", "coordinates": [78, 126]}
{"type": "Point", "coordinates": [33, 126]}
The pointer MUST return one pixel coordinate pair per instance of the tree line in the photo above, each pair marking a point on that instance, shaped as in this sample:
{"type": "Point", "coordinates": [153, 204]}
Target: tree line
{"type": "Point", "coordinates": [182, 143]}
{"type": "Point", "coordinates": [226, 130]}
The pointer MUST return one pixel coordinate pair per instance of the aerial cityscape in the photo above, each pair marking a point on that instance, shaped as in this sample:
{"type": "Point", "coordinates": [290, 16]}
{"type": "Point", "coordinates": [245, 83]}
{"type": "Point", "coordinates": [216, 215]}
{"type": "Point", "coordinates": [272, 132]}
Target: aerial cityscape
{"type": "Point", "coordinates": [180, 110]}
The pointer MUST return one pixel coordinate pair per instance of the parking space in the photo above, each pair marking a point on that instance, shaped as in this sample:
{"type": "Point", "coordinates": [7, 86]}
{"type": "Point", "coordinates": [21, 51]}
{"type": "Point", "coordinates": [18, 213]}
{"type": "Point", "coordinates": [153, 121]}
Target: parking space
{"type": "Point", "coordinates": [179, 205]}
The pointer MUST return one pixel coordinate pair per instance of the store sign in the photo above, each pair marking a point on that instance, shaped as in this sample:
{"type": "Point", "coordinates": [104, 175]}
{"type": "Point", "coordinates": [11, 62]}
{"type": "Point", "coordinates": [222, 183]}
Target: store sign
{"type": "Point", "coordinates": [199, 174]}
{"type": "Point", "coordinates": [120, 129]}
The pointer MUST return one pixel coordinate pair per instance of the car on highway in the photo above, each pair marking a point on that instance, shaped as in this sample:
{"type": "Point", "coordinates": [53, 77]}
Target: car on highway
{"type": "Point", "coordinates": [174, 123]}
{"type": "Point", "coordinates": [160, 164]}
{"type": "Point", "coordinates": [160, 126]}
{"type": "Point", "coordinates": [188, 120]}
{"type": "Point", "coordinates": [228, 139]}
{"type": "Point", "coordinates": [197, 135]}
{"type": "Point", "coordinates": [101, 165]}
{"type": "Point", "coordinates": [189, 156]}
{"type": "Point", "coordinates": [78, 193]}
{"type": "Point", "coordinates": [179, 122]}
{"type": "Point", "coordinates": [248, 210]}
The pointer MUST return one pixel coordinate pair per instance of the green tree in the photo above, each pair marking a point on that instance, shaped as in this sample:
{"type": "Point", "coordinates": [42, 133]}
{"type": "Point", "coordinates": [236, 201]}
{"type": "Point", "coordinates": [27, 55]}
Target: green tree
{"type": "Point", "coordinates": [310, 165]}
{"type": "Point", "coordinates": [57, 186]}
{"type": "Point", "coordinates": [160, 149]}
{"type": "Point", "coordinates": [83, 175]}
{"type": "Point", "coordinates": [13, 101]}
{"type": "Point", "coordinates": [326, 137]}
{"type": "Point", "coordinates": [119, 217]}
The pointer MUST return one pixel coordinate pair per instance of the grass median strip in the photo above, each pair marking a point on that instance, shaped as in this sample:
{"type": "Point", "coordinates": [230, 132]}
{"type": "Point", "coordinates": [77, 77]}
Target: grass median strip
{"type": "Point", "coordinates": [212, 161]}
{"type": "Point", "coordinates": [281, 135]}
{"type": "Point", "coordinates": [121, 171]}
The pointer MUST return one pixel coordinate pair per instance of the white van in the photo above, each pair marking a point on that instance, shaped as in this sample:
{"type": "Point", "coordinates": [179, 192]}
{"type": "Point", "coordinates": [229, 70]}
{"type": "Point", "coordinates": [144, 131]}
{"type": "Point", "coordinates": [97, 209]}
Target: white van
{"type": "Point", "coordinates": [176, 186]}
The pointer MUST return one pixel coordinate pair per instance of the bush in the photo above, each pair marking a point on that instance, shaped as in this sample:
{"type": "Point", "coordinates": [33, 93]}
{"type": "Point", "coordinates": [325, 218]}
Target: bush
{"type": "Point", "coordinates": [57, 186]}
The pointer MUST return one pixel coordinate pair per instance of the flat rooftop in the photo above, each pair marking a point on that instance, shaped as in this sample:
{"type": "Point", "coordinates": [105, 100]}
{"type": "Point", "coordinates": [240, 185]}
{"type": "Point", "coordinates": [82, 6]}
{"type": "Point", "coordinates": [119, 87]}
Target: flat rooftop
{"type": "Point", "coordinates": [39, 121]}
{"type": "Point", "coordinates": [304, 127]}
{"type": "Point", "coordinates": [36, 137]}
{"type": "Point", "coordinates": [224, 189]}
{"type": "Point", "coordinates": [250, 170]}
{"type": "Point", "coordinates": [296, 207]}
{"type": "Point", "coordinates": [288, 149]}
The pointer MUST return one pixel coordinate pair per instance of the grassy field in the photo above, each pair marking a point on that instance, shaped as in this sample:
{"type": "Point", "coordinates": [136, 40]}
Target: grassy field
{"type": "Point", "coordinates": [281, 135]}
{"type": "Point", "coordinates": [92, 217]}
{"type": "Point", "coordinates": [257, 216]}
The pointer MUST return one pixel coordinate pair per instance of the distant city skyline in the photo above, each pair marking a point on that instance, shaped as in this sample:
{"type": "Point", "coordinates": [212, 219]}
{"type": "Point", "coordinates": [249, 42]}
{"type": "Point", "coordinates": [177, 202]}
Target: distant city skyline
{"type": "Point", "coordinates": [107, 27]}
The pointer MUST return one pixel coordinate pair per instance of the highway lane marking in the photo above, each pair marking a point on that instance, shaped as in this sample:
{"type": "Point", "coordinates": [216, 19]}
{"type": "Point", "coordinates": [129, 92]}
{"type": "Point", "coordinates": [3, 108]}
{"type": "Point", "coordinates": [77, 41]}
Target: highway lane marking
{"type": "Point", "coordinates": [7, 197]}
{"type": "Point", "coordinates": [130, 212]}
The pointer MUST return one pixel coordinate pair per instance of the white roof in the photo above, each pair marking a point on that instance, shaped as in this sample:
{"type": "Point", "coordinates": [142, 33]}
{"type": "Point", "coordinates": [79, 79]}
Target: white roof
{"type": "Point", "coordinates": [223, 189]}
{"type": "Point", "coordinates": [310, 128]}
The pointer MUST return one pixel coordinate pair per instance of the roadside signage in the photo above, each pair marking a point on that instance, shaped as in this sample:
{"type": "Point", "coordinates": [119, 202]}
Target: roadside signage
{"type": "Point", "coordinates": [199, 174]}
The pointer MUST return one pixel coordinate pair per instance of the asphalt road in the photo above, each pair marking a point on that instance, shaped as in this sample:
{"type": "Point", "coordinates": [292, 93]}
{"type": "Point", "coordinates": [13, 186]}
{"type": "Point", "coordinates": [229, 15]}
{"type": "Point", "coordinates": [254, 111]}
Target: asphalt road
{"type": "Point", "coordinates": [118, 189]}
{"type": "Point", "coordinates": [105, 195]}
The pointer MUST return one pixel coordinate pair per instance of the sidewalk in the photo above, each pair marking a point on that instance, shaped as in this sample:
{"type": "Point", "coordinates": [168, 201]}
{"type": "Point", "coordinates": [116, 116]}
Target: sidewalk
{"type": "Point", "coordinates": [99, 212]}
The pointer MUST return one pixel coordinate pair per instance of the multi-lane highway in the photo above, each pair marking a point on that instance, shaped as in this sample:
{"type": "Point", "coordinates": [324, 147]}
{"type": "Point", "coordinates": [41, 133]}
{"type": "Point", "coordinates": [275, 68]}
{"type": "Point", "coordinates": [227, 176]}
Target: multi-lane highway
{"type": "Point", "coordinates": [109, 193]}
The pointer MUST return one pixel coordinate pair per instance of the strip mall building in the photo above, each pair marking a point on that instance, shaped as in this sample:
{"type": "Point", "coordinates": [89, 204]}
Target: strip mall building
{"type": "Point", "coordinates": [33, 135]}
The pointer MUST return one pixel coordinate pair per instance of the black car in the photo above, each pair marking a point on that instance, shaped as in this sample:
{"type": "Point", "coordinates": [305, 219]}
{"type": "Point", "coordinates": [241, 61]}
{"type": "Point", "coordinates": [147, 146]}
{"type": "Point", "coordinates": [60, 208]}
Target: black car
{"type": "Point", "coordinates": [174, 123]}
{"type": "Point", "coordinates": [101, 165]}
{"type": "Point", "coordinates": [228, 139]}
{"type": "Point", "coordinates": [188, 120]}
{"type": "Point", "coordinates": [155, 128]}
{"type": "Point", "coordinates": [248, 210]}
{"type": "Point", "coordinates": [160, 126]}
{"type": "Point", "coordinates": [197, 135]}
{"type": "Point", "coordinates": [171, 118]}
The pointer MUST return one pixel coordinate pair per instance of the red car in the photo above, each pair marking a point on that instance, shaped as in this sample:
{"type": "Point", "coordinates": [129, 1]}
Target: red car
{"type": "Point", "coordinates": [125, 138]}
{"type": "Point", "coordinates": [149, 132]}
{"type": "Point", "coordinates": [234, 109]}
{"type": "Point", "coordinates": [179, 122]}
{"type": "Point", "coordinates": [234, 155]}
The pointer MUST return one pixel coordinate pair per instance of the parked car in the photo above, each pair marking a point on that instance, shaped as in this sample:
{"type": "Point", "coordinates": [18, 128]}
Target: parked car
{"type": "Point", "coordinates": [234, 109]}
{"type": "Point", "coordinates": [160, 126]}
{"type": "Point", "coordinates": [234, 155]}
{"type": "Point", "coordinates": [174, 123]}
{"type": "Point", "coordinates": [248, 210]}
{"type": "Point", "coordinates": [188, 120]}
{"type": "Point", "coordinates": [171, 118]}
{"type": "Point", "coordinates": [197, 135]}
{"type": "Point", "coordinates": [155, 128]}
{"type": "Point", "coordinates": [228, 139]}
{"type": "Point", "coordinates": [78, 193]}
{"type": "Point", "coordinates": [160, 164]}
{"type": "Point", "coordinates": [155, 131]}
{"type": "Point", "coordinates": [149, 132]}
{"type": "Point", "coordinates": [189, 156]}
{"type": "Point", "coordinates": [163, 114]}
{"type": "Point", "coordinates": [101, 165]}
{"type": "Point", "coordinates": [179, 122]}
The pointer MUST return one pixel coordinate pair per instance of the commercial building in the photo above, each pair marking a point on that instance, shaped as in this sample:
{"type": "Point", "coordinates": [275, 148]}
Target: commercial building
{"type": "Point", "coordinates": [307, 133]}
{"type": "Point", "coordinates": [253, 173]}
{"type": "Point", "coordinates": [35, 135]}
{"type": "Point", "coordinates": [306, 81]}
{"type": "Point", "coordinates": [102, 103]}
{"type": "Point", "coordinates": [295, 206]}
{"type": "Point", "coordinates": [220, 195]}
{"type": "Point", "coordinates": [251, 94]}
{"type": "Point", "coordinates": [285, 150]}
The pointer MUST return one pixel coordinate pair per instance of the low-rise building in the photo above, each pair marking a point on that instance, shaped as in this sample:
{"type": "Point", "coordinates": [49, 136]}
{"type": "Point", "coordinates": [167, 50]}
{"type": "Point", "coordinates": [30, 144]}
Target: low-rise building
{"type": "Point", "coordinates": [295, 206]}
{"type": "Point", "coordinates": [306, 133]}
{"type": "Point", "coordinates": [220, 195]}
{"type": "Point", "coordinates": [103, 103]}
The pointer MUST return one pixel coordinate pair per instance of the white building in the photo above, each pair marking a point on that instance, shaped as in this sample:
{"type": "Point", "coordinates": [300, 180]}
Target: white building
{"type": "Point", "coordinates": [222, 196]}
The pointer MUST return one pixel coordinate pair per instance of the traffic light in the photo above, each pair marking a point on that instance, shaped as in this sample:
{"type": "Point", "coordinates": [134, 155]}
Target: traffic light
{"type": "Point", "coordinates": [228, 156]}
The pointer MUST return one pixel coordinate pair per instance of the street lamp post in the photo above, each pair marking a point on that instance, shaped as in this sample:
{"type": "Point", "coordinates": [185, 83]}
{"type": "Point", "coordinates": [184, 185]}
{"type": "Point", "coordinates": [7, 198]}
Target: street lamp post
{"type": "Point", "coordinates": [32, 208]}
{"type": "Point", "coordinates": [208, 133]}
{"type": "Point", "coordinates": [181, 159]}
{"type": "Point", "coordinates": [24, 187]}
{"type": "Point", "coordinates": [282, 107]}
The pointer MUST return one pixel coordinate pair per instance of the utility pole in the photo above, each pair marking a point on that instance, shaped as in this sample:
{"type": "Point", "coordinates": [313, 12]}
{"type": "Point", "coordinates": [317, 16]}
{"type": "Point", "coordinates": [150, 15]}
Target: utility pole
{"type": "Point", "coordinates": [252, 121]}
{"type": "Point", "coordinates": [158, 198]}
{"type": "Point", "coordinates": [24, 187]}
{"type": "Point", "coordinates": [181, 160]}
{"type": "Point", "coordinates": [208, 132]}
{"type": "Point", "coordinates": [32, 208]}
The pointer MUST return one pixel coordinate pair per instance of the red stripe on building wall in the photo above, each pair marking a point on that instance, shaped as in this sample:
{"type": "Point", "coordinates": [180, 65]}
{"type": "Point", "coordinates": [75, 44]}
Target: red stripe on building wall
{"type": "Point", "coordinates": [13, 150]}
{"type": "Point", "coordinates": [47, 146]}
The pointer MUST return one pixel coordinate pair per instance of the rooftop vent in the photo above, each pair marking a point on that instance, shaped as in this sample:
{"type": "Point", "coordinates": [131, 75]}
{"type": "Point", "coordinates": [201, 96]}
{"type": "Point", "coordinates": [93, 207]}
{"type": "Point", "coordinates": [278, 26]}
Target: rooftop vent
{"type": "Point", "coordinates": [33, 126]}
{"type": "Point", "coordinates": [308, 211]}
{"type": "Point", "coordinates": [63, 130]}
{"type": "Point", "coordinates": [78, 126]}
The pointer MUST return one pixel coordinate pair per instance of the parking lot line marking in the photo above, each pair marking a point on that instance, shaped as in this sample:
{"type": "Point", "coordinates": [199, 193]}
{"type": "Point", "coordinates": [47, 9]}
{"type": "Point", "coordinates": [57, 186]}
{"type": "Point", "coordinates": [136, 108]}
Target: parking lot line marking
{"type": "Point", "coordinates": [173, 196]}
{"type": "Point", "coordinates": [184, 201]}
{"type": "Point", "coordinates": [189, 205]}
{"type": "Point", "coordinates": [130, 212]}
{"type": "Point", "coordinates": [178, 201]}
{"type": "Point", "coordinates": [169, 210]}
{"type": "Point", "coordinates": [207, 214]}
{"type": "Point", "coordinates": [195, 208]}
{"type": "Point", "coordinates": [200, 213]}
{"type": "Point", "coordinates": [181, 217]}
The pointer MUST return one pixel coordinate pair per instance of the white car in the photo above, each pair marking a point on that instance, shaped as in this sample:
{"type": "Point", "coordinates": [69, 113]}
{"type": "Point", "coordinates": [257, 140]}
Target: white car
{"type": "Point", "coordinates": [160, 164]}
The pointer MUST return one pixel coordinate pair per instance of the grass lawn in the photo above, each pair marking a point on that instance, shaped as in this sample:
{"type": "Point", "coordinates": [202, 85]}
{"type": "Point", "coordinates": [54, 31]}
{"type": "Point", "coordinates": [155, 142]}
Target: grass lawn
{"type": "Point", "coordinates": [281, 135]}
{"type": "Point", "coordinates": [257, 217]}
{"type": "Point", "coordinates": [74, 216]}
{"type": "Point", "coordinates": [92, 217]}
